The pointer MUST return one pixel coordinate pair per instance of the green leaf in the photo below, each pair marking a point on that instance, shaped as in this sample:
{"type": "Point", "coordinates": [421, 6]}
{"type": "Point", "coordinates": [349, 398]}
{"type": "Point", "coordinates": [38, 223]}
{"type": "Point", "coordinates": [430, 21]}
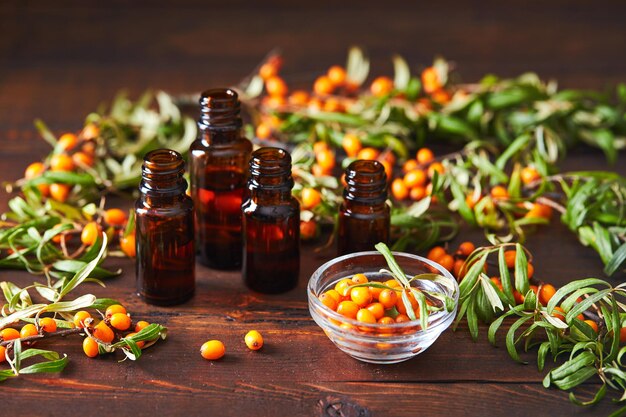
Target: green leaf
{"type": "Point", "coordinates": [570, 287]}
{"type": "Point", "coordinates": [84, 272]}
{"type": "Point", "coordinates": [505, 277]}
{"type": "Point", "coordinates": [393, 265]}
{"type": "Point", "coordinates": [521, 270]}
{"type": "Point", "coordinates": [510, 338]}
{"type": "Point", "coordinates": [49, 366]}
{"type": "Point", "coordinates": [616, 261]}
{"type": "Point", "coordinates": [585, 304]}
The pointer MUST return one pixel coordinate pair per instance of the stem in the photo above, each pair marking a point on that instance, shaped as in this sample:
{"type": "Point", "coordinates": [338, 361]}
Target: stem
{"type": "Point", "coordinates": [60, 333]}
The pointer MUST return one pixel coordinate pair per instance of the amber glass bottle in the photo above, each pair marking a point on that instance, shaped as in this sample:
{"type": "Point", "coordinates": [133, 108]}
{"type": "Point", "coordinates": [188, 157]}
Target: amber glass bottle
{"type": "Point", "coordinates": [364, 216]}
{"type": "Point", "coordinates": [164, 231]}
{"type": "Point", "coordinates": [218, 166]}
{"type": "Point", "coordinates": [271, 219]}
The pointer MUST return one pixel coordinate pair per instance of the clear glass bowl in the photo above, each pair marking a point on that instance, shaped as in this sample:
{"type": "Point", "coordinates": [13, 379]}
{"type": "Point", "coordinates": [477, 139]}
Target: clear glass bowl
{"type": "Point", "coordinates": [378, 343]}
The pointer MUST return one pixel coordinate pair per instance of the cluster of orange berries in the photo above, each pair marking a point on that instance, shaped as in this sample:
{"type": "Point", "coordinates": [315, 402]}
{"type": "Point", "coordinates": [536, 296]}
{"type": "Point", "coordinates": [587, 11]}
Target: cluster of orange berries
{"type": "Point", "coordinates": [215, 349]}
{"type": "Point", "coordinates": [71, 152]}
{"type": "Point", "coordinates": [116, 318]}
{"type": "Point", "coordinates": [457, 265]}
{"type": "Point", "coordinates": [369, 304]}
{"type": "Point", "coordinates": [415, 184]}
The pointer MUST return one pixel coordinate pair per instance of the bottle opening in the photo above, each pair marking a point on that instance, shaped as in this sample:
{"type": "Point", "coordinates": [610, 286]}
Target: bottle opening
{"type": "Point", "coordinates": [162, 171]}
{"type": "Point", "coordinates": [366, 180]}
{"type": "Point", "coordinates": [220, 108]}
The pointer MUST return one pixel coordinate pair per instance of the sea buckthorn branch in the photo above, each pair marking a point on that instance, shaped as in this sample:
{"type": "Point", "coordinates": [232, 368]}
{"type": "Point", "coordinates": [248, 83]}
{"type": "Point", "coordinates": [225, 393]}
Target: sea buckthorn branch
{"type": "Point", "coordinates": [584, 320]}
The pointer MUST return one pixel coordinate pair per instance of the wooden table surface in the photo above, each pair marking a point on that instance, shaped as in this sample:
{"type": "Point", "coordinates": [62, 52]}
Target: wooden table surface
{"type": "Point", "coordinates": [59, 62]}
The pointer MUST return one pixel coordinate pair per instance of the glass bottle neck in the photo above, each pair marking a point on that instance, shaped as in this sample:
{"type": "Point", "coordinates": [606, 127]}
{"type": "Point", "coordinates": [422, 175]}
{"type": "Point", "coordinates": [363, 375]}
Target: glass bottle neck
{"type": "Point", "coordinates": [366, 183]}
{"type": "Point", "coordinates": [162, 175]}
{"type": "Point", "coordinates": [220, 120]}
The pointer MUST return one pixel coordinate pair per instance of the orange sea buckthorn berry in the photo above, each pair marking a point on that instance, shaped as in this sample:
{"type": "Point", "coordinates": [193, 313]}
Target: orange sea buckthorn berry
{"type": "Point", "coordinates": [365, 316]}
{"type": "Point", "coordinates": [81, 159]}
{"type": "Point", "coordinates": [329, 301]}
{"type": "Point", "coordinates": [212, 350]}
{"type": "Point", "coordinates": [546, 292]}
{"type": "Point", "coordinates": [67, 141]}
{"type": "Point", "coordinates": [115, 217]}
{"type": "Point", "coordinates": [103, 332]}
{"type": "Point", "coordinates": [447, 261]}
{"type": "Point", "coordinates": [388, 298]}
{"type": "Point", "coordinates": [401, 307]}
{"type": "Point", "coordinates": [348, 309]}
{"type": "Point", "coordinates": [415, 178]}
{"type": "Point", "coordinates": [466, 248]}
{"type": "Point", "coordinates": [114, 309]}
{"type": "Point", "coordinates": [90, 347]}
{"type": "Point", "coordinates": [377, 309]}
{"type": "Point", "coordinates": [253, 340]}
{"type": "Point", "coordinates": [368, 154]}
{"type": "Point", "coordinates": [127, 244]}
{"type": "Point", "coordinates": [381, 86]}
{"type": "Point", "coordinates": [359, 279]}
{"type": "Point", "coordinates": [323, 86]}
{"type": "Point", "coordinates": [90, 131]}
{"type": "Point", "coordinates": [28, 330]}
{"type": "Point", "coordinates": [559, 313]}
{"type": "Point", "coordinates": [430, 80]}
{"type": "Point", "coordinates": [471, 200]}
{"type": "Point", "coordinates": [375, 291]}
{"type": "Point", "coordinates": [361, 296]}
{"type": "Point", "coordinates": [402, 318]}
{"type": "Point", "coordinates": [539, 211]}
{"type": "Point", "coordinates": [274, 101]}
{"type": "Point", "coordinates": [140, 343]}
{"type": "Point", "coordinates": [310, 198]}
{"type": "Point", "coordinates": [388, 167]}
{"type": "Point", "coordinates": [509, 258]}
{"type": "Point", "coordinates": [622, 335]}
{"type": "Point", "coordinates": [333, 105]}
{"type": "Point", "coordinates": [399, 190]}
{"type": "Point", "coordinates": [326, 160]}
{"type": "Point", "coordinates": [263, 131]}
{"type": "Point", "coordinates": [458, 270]}
{"type": "Point", "coordinates": [519, 298]}
{"type": "Point", "coordinates": [315, 104]}
{"type": "Point", "coordinates": [48, 325]}
{"type": "Point", "coordinates": [593, 325]}
{"type": "Point", "coordinates": [424, 156]}
{"type": "Point", "coordinates": [435, 166]}
{"type": "Point", "coordinates": [61, 162]}
{"type": "Point", "coordinates": [320, 146]}
{"type": "Point", "coordinates": [9, 334]}
{"type": "Point", "coordinates": [276, 86]}
{"type": "Point", "coordinates": [342, 287]}
{"type": "Point", "coordinates": [529, 174]}
{"type": "Point", "coordinates": [441, 96]}
{"type": "Point", "coordinates": [299, 98]}
{"type": "Point", "coordinates": [308, 229]}
{"type": "Point", "coordinates": [436, 253]}
{"type": "Point", "coordinates": [90, 233]}
{"type": "Point", "coordinates": [268, 70]}
{"type": "Point", "coordinates": [417, 193]}
{"type": "Point", "coordinates": [34, 170]}
{"type": "Point", "coordinates": [120, 321]}
{"type": "Point", "coordinates": [392, 283]}
{"type": "Point", "coordinates": [497, 282]}
{"type": "Point", "coordinates": [3, 353]}
{"type": "Point", "coordinates": [80, 317]}
{"type": "Point", "coordinates": [334, 294]}
{"type": "Point", "coordinates": [351, 144]}
{"type": "Point", "coordinates": [499, 192]}
{"type": "Point", "coordinates": [141, 325]}
{"type": "Point", "coordinates": [409, 165]}
{"type": "Point", "coordinates": [59, 192]}
{"type": "Point", "coordinates": [336, 75]}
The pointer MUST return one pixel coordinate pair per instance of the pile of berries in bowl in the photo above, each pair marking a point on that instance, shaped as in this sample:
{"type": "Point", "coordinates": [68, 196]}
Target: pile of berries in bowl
{"type": "Point", "coordinates": [380, 307]}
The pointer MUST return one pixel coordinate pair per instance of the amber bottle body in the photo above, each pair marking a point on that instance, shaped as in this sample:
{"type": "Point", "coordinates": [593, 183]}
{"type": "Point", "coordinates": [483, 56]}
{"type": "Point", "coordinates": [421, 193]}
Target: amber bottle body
{"type": "Point", "coordinates": [218, 172]}
{"type": "Point", "coordinates": [164, 231]}
{"type": "Point", "coordinates": [364, 216]}
{"type": "Point", "coordinates": [271, 218]}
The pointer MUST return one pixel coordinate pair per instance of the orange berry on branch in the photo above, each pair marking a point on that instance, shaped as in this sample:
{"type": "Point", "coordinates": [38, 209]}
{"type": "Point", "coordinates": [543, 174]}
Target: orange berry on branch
{"type": "Point", "coordinates": [61, 162]}
{"type": "Point", "coordinates": [368, 154]}
{"type": "Point", "coordinates": [333, 105]}
{"type": "Point", "coordinates": [424, 156]}
{"type": "Point", "coordinates": [67, 141]}
{"type": "Point", "coordinates": [3, 352]}
{"type": "Point", "coordinates": [399, 189]}
{"type": "Point", "coordinates": [337, 75]}
{"type": "Point", "coordinates": [9, 334]}
{"type": "Point", "coordinates": [127, 244]}
{"type": "Point", "coordinates": [436, 253]}
{"type": "Point", "coordinates": [48, 325]}
{"type": "Point", "coordinates": [141, 325]}
{"type": "Point", "coordinates": [139, 343]}
{"type": "Point", "coordinates": [103, 332]}
{"type": "Point", "coordinates": [447, 261]}
{"type": "Point", "coordinates": [310, 198]}
{"type": "Point", "coordinates": [546, 292]}
{"type": "Point", "coordinates": [417, 193]}
{"type": "Point", "coordinates": [326, 160]}
{"type": "Point", "coordinates": [28, 330]}
{"type": "Point", "coordinates": [323, 86]}
{"type": "Point", "coordinates": [435, 166]}
{"type": "Point", "coordinates": [415, 178]}
{"type": "Point", "coordinates": [529, 174]}
{"type": "Point", "coordinates": [351, 144]}
{"type": "Point", "coordinates": [299, 98]}
{"type": "Point", "coordinates": [34, 170]}
{"type": "Point", "coordinates": [80, 317]}
{"type": "Point", "coordinates": [114, 309]}
{"type": "Point", "coordinates": [381, 86]}
{"type": "Point", "coordinates": [499, 192]}
{"type": "Point", "coordinates": [466, 248]}
{"type": "Point", "coordinates": [90, 233]}
{"type": "Point", "coordinates": [115, 217]}
{"type": "Point", "coordinates": [593, 325]}
{"type": "Point", "coordinates": [276, 86]}
{"type": "Point", "coordinates": [120, 321]}
{"type": "Point", "coordinates": [60, 192]}
{"type": "Point", "coordinates": [308, 229]}
{"type": "Point", "coordinates": [409, 165]}
{"type": "Point", "coordinates": [90, 347]}
{"type": "Point", "coordinates": [430, 80]}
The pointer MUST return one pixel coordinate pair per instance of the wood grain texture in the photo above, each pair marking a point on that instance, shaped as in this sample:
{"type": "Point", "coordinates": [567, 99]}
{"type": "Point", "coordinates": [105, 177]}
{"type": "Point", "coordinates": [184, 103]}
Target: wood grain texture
{"type": "Point", "coordinates": [59, 61]}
